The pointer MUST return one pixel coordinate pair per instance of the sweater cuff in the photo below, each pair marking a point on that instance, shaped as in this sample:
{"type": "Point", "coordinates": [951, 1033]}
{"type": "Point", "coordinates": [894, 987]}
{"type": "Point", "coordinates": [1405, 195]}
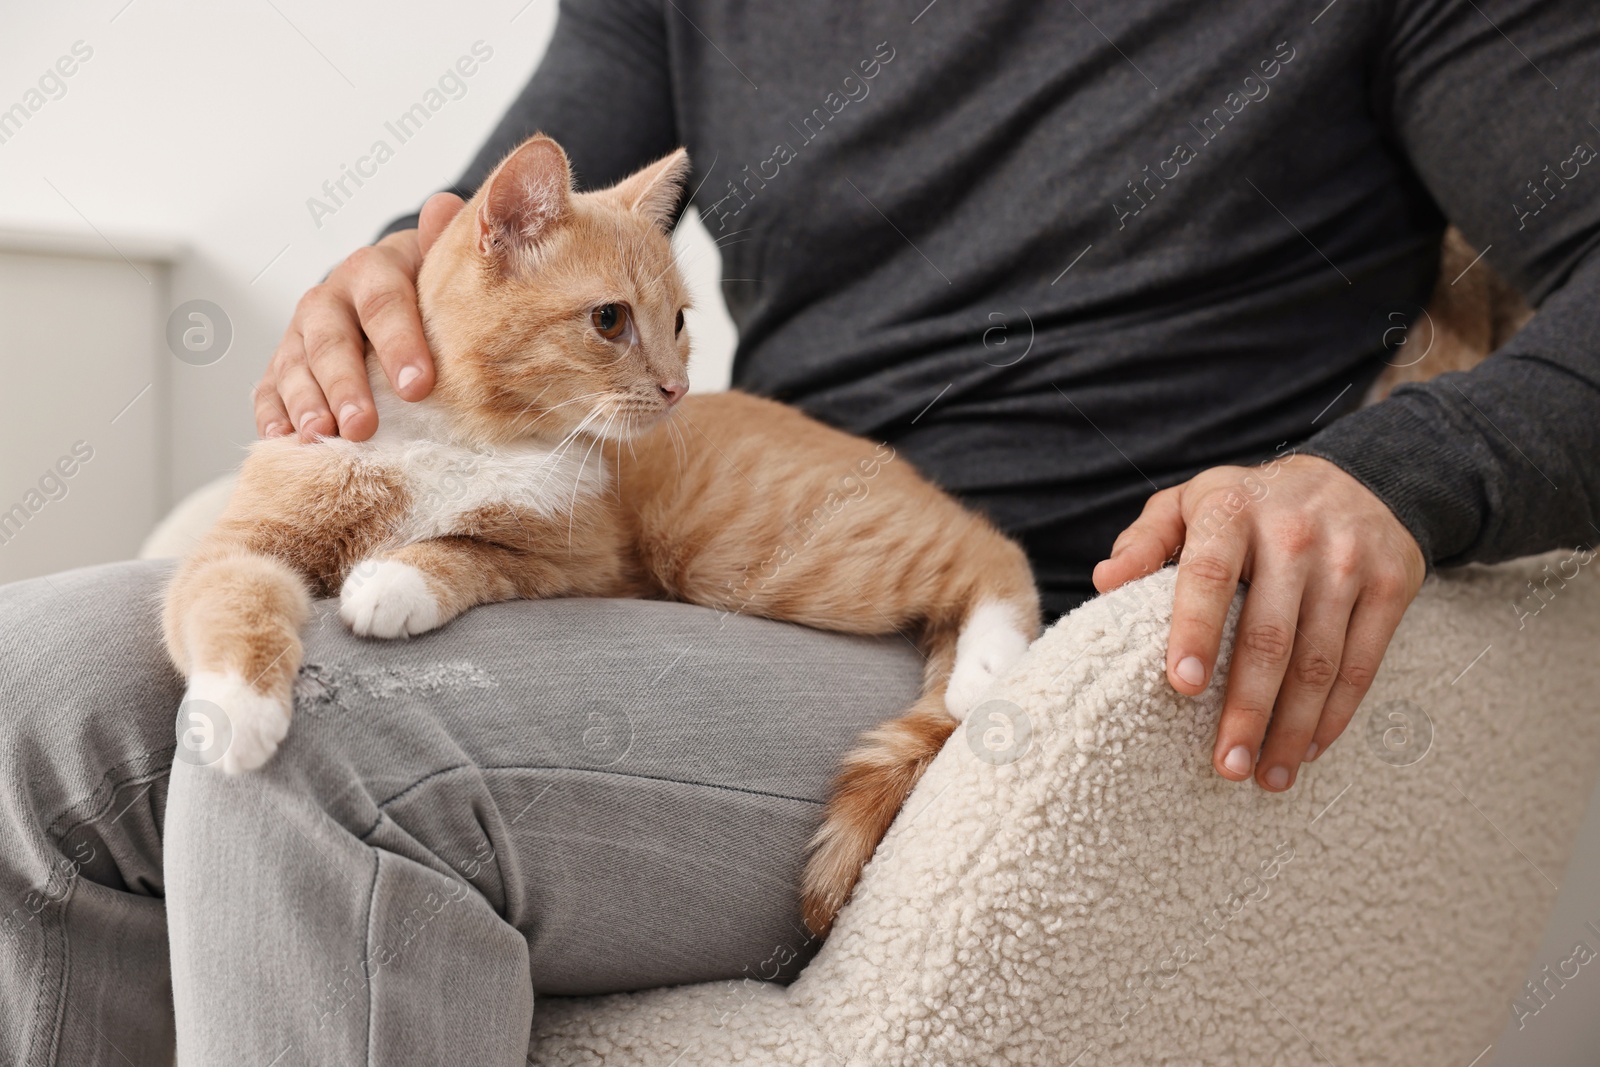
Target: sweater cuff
{"type": "Point", "coordinates": [1432, 486]}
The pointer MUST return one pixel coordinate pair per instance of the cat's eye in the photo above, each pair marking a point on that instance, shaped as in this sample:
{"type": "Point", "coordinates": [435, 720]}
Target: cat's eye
{"type": "Point", "coordinates": [678, 328]}
{"type": "Point", "coordinates": [610, 320]}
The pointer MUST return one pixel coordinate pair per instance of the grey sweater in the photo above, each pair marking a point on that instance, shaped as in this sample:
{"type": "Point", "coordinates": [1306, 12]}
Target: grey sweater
{"type": "Point", "coordinates": [1063, 254]}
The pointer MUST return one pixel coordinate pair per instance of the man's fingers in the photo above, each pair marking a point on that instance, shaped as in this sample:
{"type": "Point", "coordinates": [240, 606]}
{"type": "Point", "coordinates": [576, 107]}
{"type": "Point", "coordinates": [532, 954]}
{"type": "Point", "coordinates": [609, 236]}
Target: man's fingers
{"type": "Point", "coordinates": [336, 352]}
{"type": "Point", "coordinates": [303, 400]}
{"type": "Point", "coordinates": [1331, 570]}
{"type": "Point", "coordinates": [386, 302]}
{"type": "Point", "coordinates": [318, 381]}
{"type": "Point", "coordinates": [1208, 576]}
{"type": "Point", "coordinates": [384, 291]}
{"type": "Point", "coordinates": [436, 215]}
{"type": "Point", "coordinates": [1314, 667]}
{"type": "Point", "coordinates": [1372, 624]}
{"type": "Point", "coordinates": [1261, 650]}
{"type": "Point", "coordinates": [272, 420]}
{"type": "Point", "coordinates": [1145, 546]}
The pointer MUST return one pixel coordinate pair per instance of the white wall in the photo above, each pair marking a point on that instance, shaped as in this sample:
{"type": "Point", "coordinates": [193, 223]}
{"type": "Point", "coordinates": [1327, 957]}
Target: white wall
{"type": "Point", "coordinates": [82, 407]}
{"type": "Point", "coordinates": [213, 124]}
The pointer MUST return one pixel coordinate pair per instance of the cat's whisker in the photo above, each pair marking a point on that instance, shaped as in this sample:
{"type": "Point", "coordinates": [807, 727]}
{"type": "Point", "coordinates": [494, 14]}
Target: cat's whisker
{"type": "Point", "coordinates": [528, 426]}
{"type": "Point", "coordinates": [556, 407]}
{"type": "Point", "coordinates": [577, 482]}
{"type": "Point", "coordinates": [683, 265]}
{"type": "Point", "coordinates": [534, 401]}
{"type": "Point", "coordinates": [673, 261]}
{"type": "Point", "coordinates": [567, 441]}
{"type": "Point", "coordinates": [616, 482]}
{"type": "Point", "coordinates": [575, 400]}
{"type": "Point", "coordinates": [632, 432]}
{"type": "Point", "coordinates": [680, 447]}
{"type": "Point", "coordinates": [559, 452]}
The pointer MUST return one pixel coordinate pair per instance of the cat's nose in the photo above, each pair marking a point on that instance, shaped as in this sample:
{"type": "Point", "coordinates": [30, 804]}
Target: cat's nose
{"type": "Point", "coordinates": [672, 390]}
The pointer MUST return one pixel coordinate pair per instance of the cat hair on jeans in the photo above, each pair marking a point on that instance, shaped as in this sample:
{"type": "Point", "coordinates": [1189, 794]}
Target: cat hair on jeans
{"type": "Point", "coordinates": [555, 459]}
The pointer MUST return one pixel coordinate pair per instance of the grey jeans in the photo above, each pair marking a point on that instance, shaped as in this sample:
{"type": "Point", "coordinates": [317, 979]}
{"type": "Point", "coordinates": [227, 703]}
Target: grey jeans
{"type": "Point", "coordinates": [562, 798]}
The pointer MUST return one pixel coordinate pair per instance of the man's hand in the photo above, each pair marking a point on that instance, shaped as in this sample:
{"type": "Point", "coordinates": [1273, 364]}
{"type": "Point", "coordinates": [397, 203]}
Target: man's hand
{"type": "Point", "coordinates": [320, 366]}
{"type": "Point", "coordinates": [1330, 572]}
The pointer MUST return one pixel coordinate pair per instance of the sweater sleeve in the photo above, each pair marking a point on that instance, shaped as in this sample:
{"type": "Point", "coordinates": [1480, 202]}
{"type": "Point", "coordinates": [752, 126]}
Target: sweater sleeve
{"type": "Point", "coordinates": [1492, 104]}
{"type": "Point", "coordinates": [603, 91]}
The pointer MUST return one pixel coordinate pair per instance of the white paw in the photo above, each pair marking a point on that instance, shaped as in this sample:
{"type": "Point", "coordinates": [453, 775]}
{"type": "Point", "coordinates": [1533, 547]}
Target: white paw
{"type": "Point", "coordinates": [223, 720]}
{"type": "Point", "coordinates": [387, 598]}
{"type": "Point", "coordinates": [989, 645]}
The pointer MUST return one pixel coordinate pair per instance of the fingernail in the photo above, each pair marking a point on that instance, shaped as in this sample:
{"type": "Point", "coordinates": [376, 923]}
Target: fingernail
{"type": "Point", "coordinates": [348, 412]}
{"type": "Point", "coordinates": [275, 429]}
{"type": "Point", "coordinates": [1191, 671]}
{"type": "Point", "coordinates": [1311, 753]}
{"type": "Point", "coordinates": [1277, 778]}
{"type": "Point", "coordinates": [1238, 760]}
{"type": "Point", "coordinates": [406, 376]}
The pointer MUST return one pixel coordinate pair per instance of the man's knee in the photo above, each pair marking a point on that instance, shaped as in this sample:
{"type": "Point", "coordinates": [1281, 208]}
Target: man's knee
{"type": "Point", "coordinates": [86, 710]}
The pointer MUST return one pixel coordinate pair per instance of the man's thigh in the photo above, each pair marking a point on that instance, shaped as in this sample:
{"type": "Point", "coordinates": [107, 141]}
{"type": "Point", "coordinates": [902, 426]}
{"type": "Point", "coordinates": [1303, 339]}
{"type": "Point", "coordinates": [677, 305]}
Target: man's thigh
{"type": "Point", "coordinates": [631, 784]}
{"type": "Point", "coordinates": [87, 700]}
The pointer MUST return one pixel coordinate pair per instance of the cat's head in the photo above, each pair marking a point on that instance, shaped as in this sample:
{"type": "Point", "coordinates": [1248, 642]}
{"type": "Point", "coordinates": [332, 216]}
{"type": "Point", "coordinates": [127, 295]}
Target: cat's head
{"type": "Point", "coordinates": [552, 313]}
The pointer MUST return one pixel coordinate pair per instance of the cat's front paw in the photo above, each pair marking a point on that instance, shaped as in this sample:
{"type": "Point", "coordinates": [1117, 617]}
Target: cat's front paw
{"type": "Point", "coordinates": [990, 645]}
{"type": "Point", "coordinates": [387, 598]}
{"type": "Point", "coordinates": [224, 721]}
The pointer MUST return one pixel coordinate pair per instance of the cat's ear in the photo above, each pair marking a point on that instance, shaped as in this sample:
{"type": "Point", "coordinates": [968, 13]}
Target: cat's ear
{"type": "Point", "coordinates": [654, 191]}
{"type": "Point", "coordinates": [525, 197]}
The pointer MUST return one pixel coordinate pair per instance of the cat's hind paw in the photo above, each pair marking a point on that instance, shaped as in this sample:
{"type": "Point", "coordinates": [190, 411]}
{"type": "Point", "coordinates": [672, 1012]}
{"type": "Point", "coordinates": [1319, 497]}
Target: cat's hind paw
{"type": "Point", "coordinates": [989, 645]}
{"type": "Point", "coordinates": [387, 598]}
{"type": "Point", "coordinates": [223, 720]}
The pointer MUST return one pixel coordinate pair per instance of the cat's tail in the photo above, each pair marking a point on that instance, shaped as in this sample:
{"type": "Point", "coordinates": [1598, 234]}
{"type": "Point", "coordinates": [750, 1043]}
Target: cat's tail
{"type": "Point", "coordinates": [878, 775]}
{"type": "Point", "coordinates": [232, 625]}
{"type": "Point", "coordinates": [967, 651]}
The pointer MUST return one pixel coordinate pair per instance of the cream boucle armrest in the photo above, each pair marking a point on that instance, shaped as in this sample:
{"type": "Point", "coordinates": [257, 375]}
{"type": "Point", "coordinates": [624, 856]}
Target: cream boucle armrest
{"type": "Point", "coordinates": [1094, 894]}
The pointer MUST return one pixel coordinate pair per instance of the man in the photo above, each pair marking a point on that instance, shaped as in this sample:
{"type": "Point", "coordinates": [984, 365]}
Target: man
{"type": "Point", "coordinates": [1190, 224]}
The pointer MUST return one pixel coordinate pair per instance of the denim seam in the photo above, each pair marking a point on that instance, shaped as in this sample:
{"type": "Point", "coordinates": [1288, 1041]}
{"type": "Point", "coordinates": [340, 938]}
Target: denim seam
{"type": "Point", "coordinates": [111, 790]}
{"type": "Point", "coordinates": [58, 936]}
{"type": "Point", "coordinates": [366, 963]}
{"type": "Point", "coordinates": [582, 770]}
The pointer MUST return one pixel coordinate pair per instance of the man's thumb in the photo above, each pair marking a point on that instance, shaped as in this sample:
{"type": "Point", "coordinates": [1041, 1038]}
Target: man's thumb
{"type": "Point", "coordinates": [436, 215]}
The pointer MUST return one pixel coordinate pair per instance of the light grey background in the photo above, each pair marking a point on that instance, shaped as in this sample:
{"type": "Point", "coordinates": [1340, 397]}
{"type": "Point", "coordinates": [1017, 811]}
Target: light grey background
{"type": "Point", "coordinates": [178, 165]}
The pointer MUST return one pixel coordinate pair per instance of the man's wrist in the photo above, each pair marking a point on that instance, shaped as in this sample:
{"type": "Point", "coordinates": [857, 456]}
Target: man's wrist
{"type": "Point", "coordinates": [1427, 480]}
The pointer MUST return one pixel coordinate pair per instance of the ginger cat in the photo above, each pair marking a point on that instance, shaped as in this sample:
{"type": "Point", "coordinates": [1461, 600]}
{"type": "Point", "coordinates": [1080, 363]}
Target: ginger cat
{"type": "Point", "coordinates": [1472, 312]}
{"type": "Point", "coordinates": [556, 323]}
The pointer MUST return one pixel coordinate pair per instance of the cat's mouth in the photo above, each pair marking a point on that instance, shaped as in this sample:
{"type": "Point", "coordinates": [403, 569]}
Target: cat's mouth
{"type": "Point", "coordinates": [627, 417]}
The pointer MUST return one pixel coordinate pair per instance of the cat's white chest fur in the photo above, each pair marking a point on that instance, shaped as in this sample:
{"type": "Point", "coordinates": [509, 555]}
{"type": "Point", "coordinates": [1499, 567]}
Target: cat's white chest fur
{"type": "Point", "coordinates": [445, 481]}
